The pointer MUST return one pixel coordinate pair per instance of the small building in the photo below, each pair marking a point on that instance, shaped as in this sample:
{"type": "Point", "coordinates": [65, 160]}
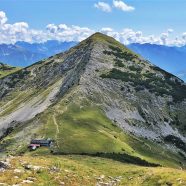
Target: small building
{"type": "Point", "coordinates": [34, 144]}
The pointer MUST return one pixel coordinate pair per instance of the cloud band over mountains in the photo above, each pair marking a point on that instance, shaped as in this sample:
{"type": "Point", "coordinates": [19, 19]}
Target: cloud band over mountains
{"type": "Point", "coordinates": [20, 31]}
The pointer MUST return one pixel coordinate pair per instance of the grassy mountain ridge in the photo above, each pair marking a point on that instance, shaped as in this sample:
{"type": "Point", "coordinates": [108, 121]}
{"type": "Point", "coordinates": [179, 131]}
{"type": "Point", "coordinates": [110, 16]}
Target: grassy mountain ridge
{"type": "Point", "coordinates": [98, 97]}
{"type": "Point", "coordinates": [6, 69]}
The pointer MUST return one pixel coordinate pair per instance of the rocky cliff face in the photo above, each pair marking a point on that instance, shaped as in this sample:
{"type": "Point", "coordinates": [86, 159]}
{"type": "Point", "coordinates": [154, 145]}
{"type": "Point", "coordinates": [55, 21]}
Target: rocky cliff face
{"type": "Point", "coordinates": [41, 81]}
{"type": "Point", "coordinates": [88, 92]}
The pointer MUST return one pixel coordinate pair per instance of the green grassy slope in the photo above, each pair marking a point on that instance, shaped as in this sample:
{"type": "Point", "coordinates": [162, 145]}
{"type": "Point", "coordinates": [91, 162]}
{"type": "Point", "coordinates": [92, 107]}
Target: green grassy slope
{"type": "Point", "coordinates": [6, 70]}
{"type": "Point", "coordinates": [87, 171]}
{"type": "Point", "coordinates": [84, 128]}
{"type": "Point", "coordinates": [80, 127]}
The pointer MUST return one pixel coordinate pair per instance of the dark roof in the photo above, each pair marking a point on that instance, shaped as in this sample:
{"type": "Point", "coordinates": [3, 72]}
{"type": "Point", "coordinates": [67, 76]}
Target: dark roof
{"type": "Point", "coordinates": [41, 141]}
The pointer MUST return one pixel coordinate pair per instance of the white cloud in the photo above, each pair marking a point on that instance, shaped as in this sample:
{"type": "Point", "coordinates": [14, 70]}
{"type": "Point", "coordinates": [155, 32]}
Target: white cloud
{"type": "Point", "coordinates": [103, 6]}
{"type": "Point", "coordinates": [184, 35]}
{"type": "Point", "coordinates": [106, 30]}
{"type": "Point", "coordinates": [164, 37]}
{"type": "Point", "coordinates": [63, 32]}
{"type": "Point", "coordinates": [63, 27]}
{"type": "Point", "coordinates": [20, 31]}
{"type": "Point", "coordinates": [170, 30]}
{"type": "Point", "coordinates": [3, 18]}
{"type": "Point", "coordinates": [122, 6]}
{"type": "Point", "coordinates": [128, 36]}
{"type": "Point", "coordinates": [51, 28]}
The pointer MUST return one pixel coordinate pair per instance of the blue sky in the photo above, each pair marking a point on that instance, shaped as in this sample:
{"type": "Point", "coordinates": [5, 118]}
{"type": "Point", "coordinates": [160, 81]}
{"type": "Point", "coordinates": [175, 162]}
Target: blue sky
{"type": "Point", "coordinates": [151, 17]}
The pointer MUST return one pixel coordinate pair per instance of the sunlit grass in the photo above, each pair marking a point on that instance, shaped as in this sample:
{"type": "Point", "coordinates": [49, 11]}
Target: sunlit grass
{"type": "Point", "coordinates": [84, 170]}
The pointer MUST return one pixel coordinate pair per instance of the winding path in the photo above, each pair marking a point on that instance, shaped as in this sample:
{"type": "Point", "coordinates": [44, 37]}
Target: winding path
{"type": "Point", "coordinates": [57, 130]}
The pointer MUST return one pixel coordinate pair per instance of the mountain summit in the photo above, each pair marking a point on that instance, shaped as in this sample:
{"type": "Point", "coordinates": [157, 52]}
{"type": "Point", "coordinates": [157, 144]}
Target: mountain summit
{"type": "Point", "coordinates": [97, 97]}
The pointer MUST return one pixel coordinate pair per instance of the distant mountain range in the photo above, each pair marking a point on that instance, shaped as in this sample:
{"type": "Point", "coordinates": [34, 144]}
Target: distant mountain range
{"type": "Point", "coordinates": [171, 59]}
{"type": "Point", "coordinates": [24, 54]}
